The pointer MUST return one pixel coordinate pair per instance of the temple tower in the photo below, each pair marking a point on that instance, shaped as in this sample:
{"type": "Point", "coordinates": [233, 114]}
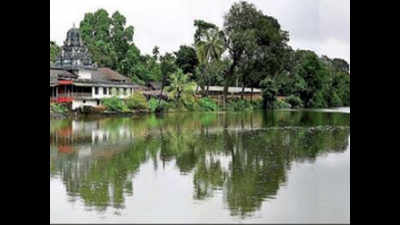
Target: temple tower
{"type": "Point", "coordinates": [74, 56]}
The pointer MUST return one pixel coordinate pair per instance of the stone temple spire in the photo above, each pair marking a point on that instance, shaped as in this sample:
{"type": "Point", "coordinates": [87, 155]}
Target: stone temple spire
{"type": "Point", "coordinates": [74, 54]}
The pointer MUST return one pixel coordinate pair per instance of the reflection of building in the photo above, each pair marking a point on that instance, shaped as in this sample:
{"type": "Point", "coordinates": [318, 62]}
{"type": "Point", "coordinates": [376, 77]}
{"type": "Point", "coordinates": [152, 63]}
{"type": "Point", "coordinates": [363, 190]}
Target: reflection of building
{"type": "Point", "coordinates": [90, 133]}
{"type": "Point", "coordinates": [75, 78]}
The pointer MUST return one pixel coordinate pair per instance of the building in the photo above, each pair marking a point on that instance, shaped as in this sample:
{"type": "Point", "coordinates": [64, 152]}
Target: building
{"type": "Point", "coordinates": [217, 92]}
{"type": "Point", "coordinates": [75, 79]}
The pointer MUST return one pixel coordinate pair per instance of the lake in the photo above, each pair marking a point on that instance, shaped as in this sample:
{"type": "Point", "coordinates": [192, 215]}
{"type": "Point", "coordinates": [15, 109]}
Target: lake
{"type": "Point", "coordinates": [256, 167]}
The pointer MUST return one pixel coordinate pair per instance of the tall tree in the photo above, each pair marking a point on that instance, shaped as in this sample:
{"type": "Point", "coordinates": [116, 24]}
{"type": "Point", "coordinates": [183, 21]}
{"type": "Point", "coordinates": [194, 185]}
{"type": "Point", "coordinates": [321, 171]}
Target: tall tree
{"type": "Point", "coordinates": [54, 51]}
{"type": "Point", "coordinates": [168, 66]}
{"type": "Point", "coordinates": [156, 52]}
{"type": "Point", "coordinates": [210, 45]}
{"type": "Point", "coordinates": [341, 65]}
{"type": "Point", "coordinates": [255, 42]}
{"type": "Point", "coordinates": [186, 59]}
{"type": "Point", "coordinates": [108, 38]}
{"type": "Point", "coordinates": [202, 27]}
{"type": "Point", "coordinates": [181, 89]}
{"type": "Point", "coordinates": [314, 77]}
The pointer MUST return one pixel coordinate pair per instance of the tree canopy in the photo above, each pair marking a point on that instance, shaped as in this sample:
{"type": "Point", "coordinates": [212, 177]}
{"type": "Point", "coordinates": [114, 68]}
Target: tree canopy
{"type": "Point", "coordinates": [250, 50]}
{"type": "Point", "coordinates": [54, 51]}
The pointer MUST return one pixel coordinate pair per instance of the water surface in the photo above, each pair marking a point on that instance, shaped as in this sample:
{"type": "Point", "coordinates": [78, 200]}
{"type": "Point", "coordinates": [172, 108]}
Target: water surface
{"type": "Point", "coordinates": [259, 167]}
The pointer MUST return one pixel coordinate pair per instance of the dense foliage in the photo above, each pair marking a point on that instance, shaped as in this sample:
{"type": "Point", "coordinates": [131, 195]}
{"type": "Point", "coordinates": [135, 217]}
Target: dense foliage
{"type": "Point", "coordinates": [115, 104]}
{"type": "Point", "coordinates": [312, 82]}
{"type": "Point", "coordinates": [181, 89]}
{"type": "Point", "coordinates": [250, 50]}
{"type": "Point", "coordinates": [137, 102]}
{"type": "Point", "coordinates": [186, 59]}
{"type": "Point", "coordinates": [54, 51]}
{"type": "Point", "coordinates": [110, 43]}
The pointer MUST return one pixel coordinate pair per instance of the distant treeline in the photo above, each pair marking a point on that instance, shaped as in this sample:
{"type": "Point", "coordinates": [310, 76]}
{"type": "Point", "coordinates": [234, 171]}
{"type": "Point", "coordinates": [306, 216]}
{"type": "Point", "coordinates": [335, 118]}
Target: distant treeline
{"type": "Point", "coordinates": [250, 50]}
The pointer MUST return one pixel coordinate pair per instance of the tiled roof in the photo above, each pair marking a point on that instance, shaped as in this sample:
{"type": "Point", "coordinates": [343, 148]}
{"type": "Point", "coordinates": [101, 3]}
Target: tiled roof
{"type": "Point", "coordinates": [106, 74]}
{"type": "Point", "coordinates": [233, 89]}
{"type": "Point", "coordinates": [99, 76]}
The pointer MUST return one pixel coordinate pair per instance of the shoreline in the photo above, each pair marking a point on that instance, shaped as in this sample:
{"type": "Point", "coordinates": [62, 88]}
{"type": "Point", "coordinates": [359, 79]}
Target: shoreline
{"type": "Point", "coordinates": [77, 114]}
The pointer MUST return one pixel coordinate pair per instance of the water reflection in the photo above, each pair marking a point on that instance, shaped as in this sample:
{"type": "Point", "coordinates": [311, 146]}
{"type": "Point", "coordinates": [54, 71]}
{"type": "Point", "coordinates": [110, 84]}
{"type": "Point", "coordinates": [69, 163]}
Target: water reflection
{"type": "Point", "coordinates": [244, 156]}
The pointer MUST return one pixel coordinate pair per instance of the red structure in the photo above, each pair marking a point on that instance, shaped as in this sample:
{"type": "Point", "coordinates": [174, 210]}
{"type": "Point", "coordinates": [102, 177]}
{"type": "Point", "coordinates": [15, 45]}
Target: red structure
{"type": "Point", "coordinates": [63, 92]}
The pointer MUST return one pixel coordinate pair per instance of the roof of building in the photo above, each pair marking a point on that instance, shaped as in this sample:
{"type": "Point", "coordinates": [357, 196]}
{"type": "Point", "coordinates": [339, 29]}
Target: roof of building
{"type": "Point", "coordinates": [107, 74]}
{"type": "Point", "coordinates": [154, 85]}
{"type": "Point", "coordinates": [233, 89]}
{"type": "Point", "coordinates": [100, 77]}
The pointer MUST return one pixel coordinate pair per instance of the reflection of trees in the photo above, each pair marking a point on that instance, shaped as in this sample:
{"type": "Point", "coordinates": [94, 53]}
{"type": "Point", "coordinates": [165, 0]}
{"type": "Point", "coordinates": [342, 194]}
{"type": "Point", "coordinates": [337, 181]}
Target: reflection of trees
{"type": "Point", "coordinates": [259, 161]}
{"type": "Point", "coordinates": [103, 181]}
{"type": "Point", "coordinates": [247, 165]}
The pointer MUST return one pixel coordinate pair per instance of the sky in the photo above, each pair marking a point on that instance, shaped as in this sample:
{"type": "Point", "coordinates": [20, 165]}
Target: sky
{"type": "Point", "coordinates": [319, 25]}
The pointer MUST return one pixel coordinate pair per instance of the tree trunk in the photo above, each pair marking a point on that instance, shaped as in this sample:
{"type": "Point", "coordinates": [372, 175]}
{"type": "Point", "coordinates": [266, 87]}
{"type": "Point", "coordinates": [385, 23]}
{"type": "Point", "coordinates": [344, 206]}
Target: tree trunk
{"type": "Point", "coordinates": [244, 83]}
{"type": "Point", "coordinates": [162, 89]}
{"type": "Point", "coordinates": [242, 94]}
{"type": "Point", "coordinates": [225, 92]}
{"type": "Point", "coordinates": [251, 95]}
{"type": "Point", "coordinates": [228, 75]}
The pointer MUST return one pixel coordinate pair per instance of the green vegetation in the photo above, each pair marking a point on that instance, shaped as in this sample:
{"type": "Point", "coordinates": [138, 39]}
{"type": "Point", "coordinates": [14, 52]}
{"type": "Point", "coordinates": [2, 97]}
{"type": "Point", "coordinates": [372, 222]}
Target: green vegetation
{"type": "Point", "coordinates": [207, 104]}
{"type": "Point", "coordinates": [294, 101]}
{"type": "Point", "coordinates": [115, 104]}
{"type": "Point", "coordinates": [158, 106]}
{"type": "Point", "coordinates": [181, 90]}
{"type": "Point", "coordinates": [317, 81]}
{"type": "Point", "coordinates": [137, 102]}
{"type": "Point", "coordinates": [54, 51]}
{"type": "Point", "coordinates": [243, 105]}
{"type": "Point", "coordinates": [250, 50]}
{"type": "Point", "coordinates": [58, 108]}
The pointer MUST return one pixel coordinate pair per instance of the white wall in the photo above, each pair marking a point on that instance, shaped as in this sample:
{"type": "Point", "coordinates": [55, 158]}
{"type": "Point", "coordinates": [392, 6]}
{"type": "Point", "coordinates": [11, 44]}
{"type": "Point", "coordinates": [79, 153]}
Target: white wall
{"type": "Point", "coordinates": [79, 103]}
{"type": "Point", "coordinates": [101, 94]}
{"type": "Point", "coordinates": [84, 74]}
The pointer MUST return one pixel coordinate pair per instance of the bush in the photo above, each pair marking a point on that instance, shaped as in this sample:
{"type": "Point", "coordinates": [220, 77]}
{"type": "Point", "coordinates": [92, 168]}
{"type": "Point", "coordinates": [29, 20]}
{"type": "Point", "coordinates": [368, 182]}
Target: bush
{"type": "Point", "coordinates": [58, 108]}
{"type": "Point", "coordinates": [207, 104]}
{"type": "Point", "coordinates": [155, 107]}
{"type": "Point", "coordinates": [115, 104]}
{"type": "Point", "coordinates": [190, 104]}
{"type": "Point", "coordinates": [137, 101]}
{"type": "Point", "coordinates": [257, 104]}
{"type": "Point", "coordinates": [280, 104]}
{"type": "Point", "coordinates": [335, 101]}
{"type": "Point", "coordinates": [317, 101]}
{"type": "Point", "coordinates": [240, 105]}
{"type": "Point", "coordinates": [294, 101]}
{"type": "Point", "coordinates": [270, 91]}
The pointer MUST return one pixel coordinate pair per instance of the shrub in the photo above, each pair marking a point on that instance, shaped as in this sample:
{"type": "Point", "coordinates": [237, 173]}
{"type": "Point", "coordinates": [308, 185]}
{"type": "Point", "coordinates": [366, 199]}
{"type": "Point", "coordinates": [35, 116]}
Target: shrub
{"type": "Point", "coordinates": [115, 104]}
{"type": "Point", "coordinates": [294, 101]}
{"type": "Point", "coordinates": [58, 108]}
{"type": "Point", "coordinates": [257, 104]}
{"type": "Point", "coordinates": [280, 104]}
{"type": "Point", "coordinates": [270, 91]}
{"type": "Point", "coordinates": [317, 101]}
{"type": "Point", "coordinates": [335, 101]}
{"type": "Point", "coordinates": [137, 101]}
{"type": "Point", "coordinates": [155, 107]}
{"type": "Point", "coordinates": [207, 104]}
{"type": "Point", "coordinates": [240, 105]}
{"type": "Point", "coordinates": [190, 104]}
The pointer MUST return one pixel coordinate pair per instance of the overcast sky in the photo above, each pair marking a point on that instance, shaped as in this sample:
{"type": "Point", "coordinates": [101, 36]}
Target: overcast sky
{"type": "Point", "coordinates": [319, 25]}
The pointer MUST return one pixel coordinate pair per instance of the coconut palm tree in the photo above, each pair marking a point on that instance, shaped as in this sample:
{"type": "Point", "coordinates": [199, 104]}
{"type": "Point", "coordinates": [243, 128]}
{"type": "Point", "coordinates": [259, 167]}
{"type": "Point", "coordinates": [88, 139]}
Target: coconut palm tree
{"type": "Point", "coordinates": [209, 50]}
{"type": "Point", "coordinates": [180, 88]}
